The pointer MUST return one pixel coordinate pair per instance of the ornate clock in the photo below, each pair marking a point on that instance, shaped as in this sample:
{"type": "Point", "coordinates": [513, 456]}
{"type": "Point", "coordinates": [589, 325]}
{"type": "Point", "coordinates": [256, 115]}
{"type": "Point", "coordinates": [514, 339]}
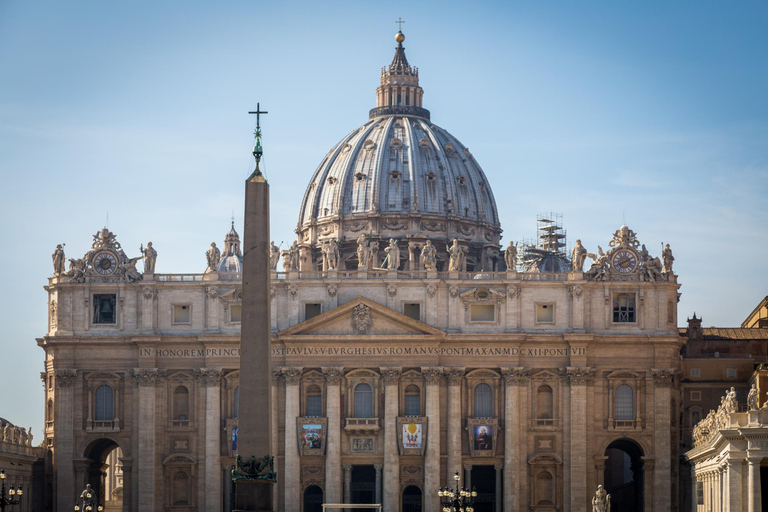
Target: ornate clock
{"type": "Point", "coordinates": [105, 263]}
{"type": "Point", "coordinates": [624, 261]}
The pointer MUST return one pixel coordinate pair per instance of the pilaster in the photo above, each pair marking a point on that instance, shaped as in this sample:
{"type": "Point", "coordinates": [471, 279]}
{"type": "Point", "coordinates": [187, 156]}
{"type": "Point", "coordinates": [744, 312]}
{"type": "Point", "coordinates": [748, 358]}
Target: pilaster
{"type": "Point", "coordinates": [64, 440]}
{"type": "Point", "coordinates": [391, 379]}
{"type": "Point", "coordinates": [432, 377]}
{"type": "Point", "coordinates": [147, 379]}
{"type": "Point", "coordinates": [753, 484]}
{"type": "Point", "coordinates": [292, 483]}
{"type": "Point", "coordinates": [514, 379]}
{"type": "Point", "coordinates": [210, 380]}
{"type": "Point", "coordinates": [333, 376]}
{"type": "Point", "coordinates": [663, 381]}
{"type": "Point", "coordinates": [579, 378]}
{"type": "Point", "coordinates": [455, 377]}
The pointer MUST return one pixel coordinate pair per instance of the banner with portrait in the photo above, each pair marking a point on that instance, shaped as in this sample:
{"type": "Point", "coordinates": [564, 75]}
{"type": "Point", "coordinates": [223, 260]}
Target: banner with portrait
{"type": "Point", "coordinates": [412, 435]}
{"type": "Point", "coordinates": [483, 433]}
{"type": "Point", "coordinates": [311, 433]}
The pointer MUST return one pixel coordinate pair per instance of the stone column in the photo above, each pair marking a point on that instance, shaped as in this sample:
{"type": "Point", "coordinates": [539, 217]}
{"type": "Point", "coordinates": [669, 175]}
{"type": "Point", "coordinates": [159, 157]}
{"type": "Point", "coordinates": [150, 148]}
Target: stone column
{"type": "Point", "coordinates": [753, 484]}
{"type": "Point", "coordinates": [498, 468]}
{"type": "Point", "coordinates": [467, 476]}
{"type": "Point", "coordinates": [391, 378]}
{"type": "Point", "coordinates": [579, 378]}
{"type": "Point", "coordinates": [432, 376]}
{"type": "Point", "coordinates": [648, 465]}
{"type": "Point", "coordinates": [347, 484]}
{"type": "Point", "coordinates": [663, 381]}
{"type": "Point", "coordinates": [146, 379]}
{"type": "Point", "coordinates": [455, 376]}
{"type": "Point", "coordinates": [127, 484]}
{"type": "Point", "coordinates": [514, 379]}
{"type": "Point", "coordinates": [735, 484]}
{"type": "Point", "coordinates": [333, 480]}
{"type": "Point", "coordinates": [292, 473]}
{"type": "Point", "coordinates": [81, 467]}
{"type": "Point", "coordinates": [378, 468]}
{"type": "Point", "coordinates": [210, 381]}
{"type": "Point", "coordinates": [64, 440]}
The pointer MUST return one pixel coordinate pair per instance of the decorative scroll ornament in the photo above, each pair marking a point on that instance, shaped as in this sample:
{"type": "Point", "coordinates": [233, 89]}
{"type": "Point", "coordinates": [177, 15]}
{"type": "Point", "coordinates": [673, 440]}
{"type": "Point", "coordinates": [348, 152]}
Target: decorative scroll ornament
{"type": "Point", "coordinates": [454, 375]}
{"type": "Point", "coordinates": [432, 374]}
{"type": "Point", "coordinates": [208, 377]}
{"type": "Point", "coordinates": [391, 375]}
{"type": "Point", "coordinates": [105, 239]}
{"type": "Point", "coordinates": [54, 316]}
{"type": "Point", "coordinates": [332, 290]}
{"type": "Point", "coordinates": [431, 289]}
{"type": "Point", "coordinates": [65, 378]}
{"type": "Point", "coordinates": [292, 376]}
{"type": "Point", "coordinates": [663, 378]}
{"type": "Point", "coordinates": [148, 377]}
{"type": "Point", "coordinates": [149, 292]}
{"type": "Point", "coordinates": [333, 375]}
{"type": "Point", "coordinates": [579, 376]}
{"type": "Point", "coordinates": [394, 225]}
{"type": "Point", "coordinates": [433, 226]}
{"type": "Point", "coordinates": [261, 470]}
{"type": "Point", "coordinates": [624, 238]}
{"type": "Point", "coordinates": [392, 290]}
{"type": "Point", "coordinates": [362, 319]}
{"type": "Point", "coordinates": [515, 376]}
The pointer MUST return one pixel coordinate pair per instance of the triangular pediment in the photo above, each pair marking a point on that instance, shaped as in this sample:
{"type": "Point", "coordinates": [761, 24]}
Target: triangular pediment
{"type": "Point", "coordinates": [361, 317]}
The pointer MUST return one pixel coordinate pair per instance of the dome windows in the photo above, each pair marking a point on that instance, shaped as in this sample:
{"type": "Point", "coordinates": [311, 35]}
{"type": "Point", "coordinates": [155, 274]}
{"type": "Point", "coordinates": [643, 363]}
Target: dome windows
{"type": "Point", "coordinates": [396, 144]}
{"type": "Point", "coordinates": [431, 176]}
{"type": "Point", "coordinates": [462, 180]}
{"type": "Point", "coordinates": [369, 145]}
{"type": "Point", "coordinates": [359, 176]}
{"type": "Point", "coordinates": [395, 174]}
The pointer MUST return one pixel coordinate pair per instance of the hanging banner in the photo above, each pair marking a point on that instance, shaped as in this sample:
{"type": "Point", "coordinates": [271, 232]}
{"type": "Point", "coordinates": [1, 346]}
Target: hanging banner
{"type": "Point", "coordinates": [483, 433]}
{"type": "Point", "coordinates": [311, 433]}
{"type": "Point", "coordinates": [412, 435]}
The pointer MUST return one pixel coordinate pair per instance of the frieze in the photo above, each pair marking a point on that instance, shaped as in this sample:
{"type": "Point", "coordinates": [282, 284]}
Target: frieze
{"type": "Point", "coordinates": [65, 378]}
{"type": "Point", "coordinates": [209, 377]}
{"type": "Point", "coordinates": [362, 444]}
{"type": "Point", "coordinates": [433, 226]}
{"type": "Point", "coordinates": [177, 352]}
{"type": "Point", "coordinates": [391, 375]}
{"type": "Point", "coordinates": [54, 316]}
{"type": "Point", "coordinates": [471, 350]}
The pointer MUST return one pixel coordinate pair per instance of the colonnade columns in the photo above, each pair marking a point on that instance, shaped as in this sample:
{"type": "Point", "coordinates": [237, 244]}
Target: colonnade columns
{"type": "Point", "coordinates": [147, 379]}
{"type": "Point", "coordinates": [578, 378]}
{"type": "Point", "coordinates": [292, 472]}
{"type": "Point", "coordinates": [64, 440]}
{"type": "Point", "coordinates": [432, 376]}
{"type": "Point", "coordinates": [391, 378]}
{"type": "Point", "coordinates": [663, 380]}
{"type": "Point", "coordinates": [333, 376]}
{"type": "Point", "coordinates": [753, 484]}
{"type": "Point", "coordinates": [347, 484]}
{"type": "Point", "coordinates": [514, 378]}
{"type": "Point", "coordinates": [455, 376]}
{"type": "Point", "coordinates": [210, 380]}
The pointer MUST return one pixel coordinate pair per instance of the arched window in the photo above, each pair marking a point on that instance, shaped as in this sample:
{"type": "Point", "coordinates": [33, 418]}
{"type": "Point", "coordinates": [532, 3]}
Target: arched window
{"type": "Point", "coordinates": [363, 401]}
{"type": "Point", "coordinates": [483, 401]}
{"type": "Point", "coordinates": [236, 408]}
{"type": "Point", "coordinates": [105, 404]}
{"type": "Point", "coordinates": [545, 403]}
{"type": "Point", "coordinates": [50, 412]}
{"type": "Point", "coordinates": [412, 499]}
{"type": "Point", "coordinates": [181, 404]}
{"type": "Point", "coordinates": [314, 401]}
{"type": "Point", "coordinates": [412, 401]}
{"type": "Point", "coordinates": [180, 489]}
{"type": "Point", "coordinates": [624, 408]}
{"type": "Point", "coordinates": [313, 499]}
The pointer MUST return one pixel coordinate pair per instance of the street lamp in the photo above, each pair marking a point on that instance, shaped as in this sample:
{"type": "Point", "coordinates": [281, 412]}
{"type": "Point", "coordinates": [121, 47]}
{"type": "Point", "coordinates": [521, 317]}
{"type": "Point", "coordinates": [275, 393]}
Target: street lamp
{"type": "Point", "coordinates": [458, 499]}
{"type": "Point", "coordinates": [88, 501]}
{"type": "Point", "coordinates": [5, 501]}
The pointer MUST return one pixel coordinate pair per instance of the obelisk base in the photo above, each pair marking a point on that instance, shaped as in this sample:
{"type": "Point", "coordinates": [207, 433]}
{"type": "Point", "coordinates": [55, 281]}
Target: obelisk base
{"type": "Point", "coordinates": [253, 496]}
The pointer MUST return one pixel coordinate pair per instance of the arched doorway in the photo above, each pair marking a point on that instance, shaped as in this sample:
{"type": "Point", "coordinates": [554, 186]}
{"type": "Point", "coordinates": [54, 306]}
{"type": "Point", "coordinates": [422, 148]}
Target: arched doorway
{"type": "Point", "coordinates": [623, 478]}
{"type": "Point", "coordinates": [411, 499]}
{"type": "Point", "coordinates": [105, 473]}
{"type": "Point", "coordinates": [313, 499]}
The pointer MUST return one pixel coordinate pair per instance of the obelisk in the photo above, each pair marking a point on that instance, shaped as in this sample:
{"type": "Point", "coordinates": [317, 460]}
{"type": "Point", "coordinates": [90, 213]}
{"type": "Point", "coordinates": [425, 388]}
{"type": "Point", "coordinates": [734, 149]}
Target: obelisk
{"type": "Point", "coordinates": [253, 475]}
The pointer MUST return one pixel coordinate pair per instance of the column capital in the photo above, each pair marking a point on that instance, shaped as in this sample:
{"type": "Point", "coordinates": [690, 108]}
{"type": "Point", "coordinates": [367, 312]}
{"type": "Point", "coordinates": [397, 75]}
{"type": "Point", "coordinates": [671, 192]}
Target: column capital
{"type": "Point", "coordinates": [648, 463]}
{"type": "Point", "coordinates": [148, 377]}
{"type": "Point", "coordinates": [432, 374]}
{"type": "Point", "coordinates": [454, 375]}
{"type": "Point", "coordinates": [209, 377]}
{"type": "Point", "coordinates": [753, 460]}
{"type": "Point", "coordinates": [127, 464]}
{"type": "Point", "coordinates": [515, 376]}
{"type": "Point", "coordinates": [663, 377]}
{"type": "Point", "coordinates": [346, 467]}
{"type": "Point", "coordinates": [292, 375]}
{"type": "Point", "coordinates": [578, 375]}
{"type": "Point", "coordinates": [498, 467]}
{"type": "Point", "coordinates": [468, 467]}
{"type": "Point", "coordinates": [333, 374]}
{"type": "Point", "coordinates": [391, 374]}
{"type": "Point", "coordinates": [378, 467]}
{"type": "Point", "coordinates": [276, 374]}
{"type": "Point", "coordinates": [65, 378]}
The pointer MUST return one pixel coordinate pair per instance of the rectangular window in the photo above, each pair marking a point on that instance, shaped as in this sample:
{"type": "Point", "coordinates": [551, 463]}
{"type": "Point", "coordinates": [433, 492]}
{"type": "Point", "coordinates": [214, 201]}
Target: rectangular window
{"type": "Point", "coordinates": [624, 308]}
{"type": "Point", "coordinates": [412, 311]}
{"type": "Point", "coordinates": [105, 308]}
{"type": "Point", "coordinates": [181, 313]}
{"type": "Point", "coordinates": [412, 406]}
{"type": "Point", "coordinates": [695, 418]}
{"type": "Point", "coordinates": [695, 396]}
{"type": "Point", "coordinates": [482, 312]}
{"type": "Point", "coordinates": [314, 405]}
{"type": "Point", "coordinates": [545, 313]}
{"type": "Point", "coordinates": [731, 372]}
{"type": "Point", "coordinates": [695, 372]}
{"type": "Point", "coordinates": [235, 313]}
{"type": "Point", "coordinates": [311, 310]}
{"type": "Point", "coordinates": [699, 493]}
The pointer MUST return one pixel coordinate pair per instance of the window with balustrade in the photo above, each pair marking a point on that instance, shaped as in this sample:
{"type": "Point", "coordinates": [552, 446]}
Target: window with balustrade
{"type": "Point", "coordinates": [363, 400]}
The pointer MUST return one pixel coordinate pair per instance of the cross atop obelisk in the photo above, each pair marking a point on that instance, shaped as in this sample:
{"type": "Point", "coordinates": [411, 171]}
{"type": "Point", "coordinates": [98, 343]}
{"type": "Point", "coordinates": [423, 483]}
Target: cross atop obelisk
{"type": "Point", "coordinates": [257, 149]}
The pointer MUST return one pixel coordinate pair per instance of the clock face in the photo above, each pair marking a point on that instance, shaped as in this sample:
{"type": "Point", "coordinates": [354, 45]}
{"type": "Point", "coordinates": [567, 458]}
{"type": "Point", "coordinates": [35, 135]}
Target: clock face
{"type": "Point", "coordinates": [624, 261]}
{"type": "Point", "coordinates": [105, 263]}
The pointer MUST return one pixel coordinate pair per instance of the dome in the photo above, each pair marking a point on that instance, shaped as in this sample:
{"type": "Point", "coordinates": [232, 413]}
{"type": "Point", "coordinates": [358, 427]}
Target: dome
{"type": "Point", "coordinates": [399, 176]}
{"type": "Point", "coordinates": [231, 257]}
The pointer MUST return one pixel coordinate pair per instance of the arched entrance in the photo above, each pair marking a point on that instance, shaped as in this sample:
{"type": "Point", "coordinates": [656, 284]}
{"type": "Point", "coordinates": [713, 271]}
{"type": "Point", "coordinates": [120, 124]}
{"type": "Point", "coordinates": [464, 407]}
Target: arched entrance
{"type": "Point", "coordinates": [411, 499]}
{"type": "Point", "coordinates": [105, 474]}
{"type": "Point", "coordinates": [623, 478]}
{"type": "Point", "coordinates": [313, 499]}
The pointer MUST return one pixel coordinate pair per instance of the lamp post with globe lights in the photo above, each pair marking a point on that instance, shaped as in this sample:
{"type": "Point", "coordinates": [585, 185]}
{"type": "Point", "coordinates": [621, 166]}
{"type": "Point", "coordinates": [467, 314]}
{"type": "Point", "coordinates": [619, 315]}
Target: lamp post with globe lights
{"type": "Point", "coordinates": [88, 501]}
{"type": "Point", "coordinates": [458, 499]}
{"type": "Point", "coordinates": [7, 499]}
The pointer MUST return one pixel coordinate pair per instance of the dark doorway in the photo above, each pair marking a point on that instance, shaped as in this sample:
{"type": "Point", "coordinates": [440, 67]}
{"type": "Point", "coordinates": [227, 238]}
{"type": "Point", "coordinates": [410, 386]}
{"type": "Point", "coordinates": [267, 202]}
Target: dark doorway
{"type": "Point", "coordinates": [411, 499]}
{"type": "Point", "coordinates": [363, 488]}
{"type": "Point", "coordinates": [764, 487]}
{"type": "Point", "coordinates": [313, 499]}
{"type": "Point", "coordinates": [105, 478]}
{"type": "Point", "coordinates": [624, 476]}
{"type": "Point", "coordinates": [484, 482]}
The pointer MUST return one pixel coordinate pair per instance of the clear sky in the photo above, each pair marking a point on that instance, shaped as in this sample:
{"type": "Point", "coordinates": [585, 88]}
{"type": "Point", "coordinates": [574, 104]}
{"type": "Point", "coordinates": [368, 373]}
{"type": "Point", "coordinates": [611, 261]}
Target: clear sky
{"type": "Point", "coordinates": [652, 113]}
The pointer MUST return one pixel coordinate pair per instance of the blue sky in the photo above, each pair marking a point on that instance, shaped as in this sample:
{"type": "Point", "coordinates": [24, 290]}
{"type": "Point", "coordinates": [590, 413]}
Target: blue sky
{"type": "Point", "coordinates": [652, 113]}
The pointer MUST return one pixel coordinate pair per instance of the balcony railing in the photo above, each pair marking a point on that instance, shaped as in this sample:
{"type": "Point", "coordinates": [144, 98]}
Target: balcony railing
{"type": "Point", "coordinates": [362, 425]}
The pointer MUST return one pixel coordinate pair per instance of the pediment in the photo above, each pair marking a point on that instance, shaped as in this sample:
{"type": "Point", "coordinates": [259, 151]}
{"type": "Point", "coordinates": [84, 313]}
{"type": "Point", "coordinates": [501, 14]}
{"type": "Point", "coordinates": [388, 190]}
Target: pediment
{"type": "Point", "coordinates": [545, 375]}
{"type": "Point", "coordinates": [482, 294]}
{"type": "Point", "coordinates": [623, 374]}
{"type": "Point", "coordinates": [361, 317]}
